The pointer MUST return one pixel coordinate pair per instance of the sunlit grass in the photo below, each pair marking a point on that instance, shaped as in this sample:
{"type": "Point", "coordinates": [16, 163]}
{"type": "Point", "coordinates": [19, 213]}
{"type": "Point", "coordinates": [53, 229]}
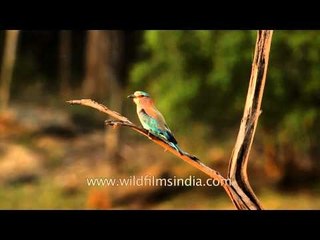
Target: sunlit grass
{"type": "Point", "coordinates": [40, 195]}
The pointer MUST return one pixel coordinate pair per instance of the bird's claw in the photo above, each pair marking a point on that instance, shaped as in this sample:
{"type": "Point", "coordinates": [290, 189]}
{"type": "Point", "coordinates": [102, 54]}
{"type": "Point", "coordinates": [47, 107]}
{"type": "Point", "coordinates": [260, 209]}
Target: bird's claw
{"type": "Point", "coordinates": [149, 135]}
{"type": "Point", "coordinates": [112, 123]}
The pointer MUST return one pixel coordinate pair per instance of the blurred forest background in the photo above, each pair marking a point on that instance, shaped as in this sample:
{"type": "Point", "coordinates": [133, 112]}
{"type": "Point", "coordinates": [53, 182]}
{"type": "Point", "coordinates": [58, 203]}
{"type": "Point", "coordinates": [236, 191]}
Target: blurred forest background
{"type": "Point", "coordinates": [198, 80]}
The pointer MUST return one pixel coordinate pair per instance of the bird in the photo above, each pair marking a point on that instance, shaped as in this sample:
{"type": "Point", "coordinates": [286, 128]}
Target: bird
{"type": "Point", "coordinates": [153, 121]}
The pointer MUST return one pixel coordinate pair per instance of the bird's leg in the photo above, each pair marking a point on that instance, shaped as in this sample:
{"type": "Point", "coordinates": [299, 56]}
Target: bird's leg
{"type": "Point", "coordinates": [149, 135]}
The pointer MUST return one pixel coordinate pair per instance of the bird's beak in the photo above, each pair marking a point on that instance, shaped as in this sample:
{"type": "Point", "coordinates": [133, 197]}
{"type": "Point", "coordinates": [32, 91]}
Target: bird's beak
{"type": "Point", "coordinates": [131, 96]}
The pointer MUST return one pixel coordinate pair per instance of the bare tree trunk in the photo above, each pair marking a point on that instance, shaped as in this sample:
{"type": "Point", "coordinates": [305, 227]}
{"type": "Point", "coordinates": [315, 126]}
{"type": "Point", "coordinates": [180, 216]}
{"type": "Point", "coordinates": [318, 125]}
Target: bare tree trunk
{"type": "Point", "coordinates": [65, 62]}
{"type": "Point", "coordinates": [115, 75]}
{"type": "Point", "coordinates": [92, 62]}
{"type": "Point", "coordinates": [9, 56]}
{"type": "Point", "coordinates": [105, 75]}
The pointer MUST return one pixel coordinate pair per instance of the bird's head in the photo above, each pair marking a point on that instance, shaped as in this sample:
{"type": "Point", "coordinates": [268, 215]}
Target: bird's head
{"type": "Point", "coordinates": [140, 97]}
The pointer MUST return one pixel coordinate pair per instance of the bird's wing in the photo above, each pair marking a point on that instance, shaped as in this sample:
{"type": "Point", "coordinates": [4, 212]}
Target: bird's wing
{"type": "Point", "coordinates": [154, 121]}
{"type": "Point", "coordinates": [155, 114]}
{"type": "Point", "coordinates": [147, 121]}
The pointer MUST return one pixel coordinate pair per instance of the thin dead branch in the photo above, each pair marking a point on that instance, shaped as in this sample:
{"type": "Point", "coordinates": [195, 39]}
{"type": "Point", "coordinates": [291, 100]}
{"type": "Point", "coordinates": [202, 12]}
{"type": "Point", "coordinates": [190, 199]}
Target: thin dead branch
{"type": "Point", "coordinates": [239, 159]}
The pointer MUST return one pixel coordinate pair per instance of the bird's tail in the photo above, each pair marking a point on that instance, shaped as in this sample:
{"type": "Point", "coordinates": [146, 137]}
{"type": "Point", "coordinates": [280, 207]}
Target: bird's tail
{"type": "Point", "coordinates": [175, 146]}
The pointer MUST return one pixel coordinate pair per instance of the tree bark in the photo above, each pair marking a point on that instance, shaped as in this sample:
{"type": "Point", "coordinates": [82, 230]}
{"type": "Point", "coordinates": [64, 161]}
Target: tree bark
{"type": "Point", "coordinates": [115, 76]}
{"type": "Point", "coordinates": [91, 63]}
{"type": "Point", "coordinates": [105, 76]}
{"type": "Point", "coordinates": [9, 57]}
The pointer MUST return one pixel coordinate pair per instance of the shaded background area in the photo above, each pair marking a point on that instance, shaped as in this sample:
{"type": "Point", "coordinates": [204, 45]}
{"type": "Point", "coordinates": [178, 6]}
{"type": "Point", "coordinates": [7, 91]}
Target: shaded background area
{"type": "Point", "coordinates": [198, 80]}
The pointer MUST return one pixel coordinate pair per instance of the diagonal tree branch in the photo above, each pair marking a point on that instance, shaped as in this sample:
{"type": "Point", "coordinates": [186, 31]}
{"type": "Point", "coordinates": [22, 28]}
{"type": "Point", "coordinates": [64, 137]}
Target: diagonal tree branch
{"type": "Point", "coordinates": [239, 159]}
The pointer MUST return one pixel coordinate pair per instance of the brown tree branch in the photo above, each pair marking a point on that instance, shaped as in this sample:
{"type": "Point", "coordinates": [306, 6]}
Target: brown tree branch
{"type": "Point", "coordinates": [101, 108]}
{"type": "Point", "coordinates": [239, 159]}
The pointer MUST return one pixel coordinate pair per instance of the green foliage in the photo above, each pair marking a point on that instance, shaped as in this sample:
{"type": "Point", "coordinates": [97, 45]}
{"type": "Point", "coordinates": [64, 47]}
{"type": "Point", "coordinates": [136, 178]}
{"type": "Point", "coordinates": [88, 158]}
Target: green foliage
{"type": "Point", "coordinates": [187, 69]}
{"type": "Point", "coordinates": [292, 93]}
{"type": "Point", "coordinates": [202, 76]}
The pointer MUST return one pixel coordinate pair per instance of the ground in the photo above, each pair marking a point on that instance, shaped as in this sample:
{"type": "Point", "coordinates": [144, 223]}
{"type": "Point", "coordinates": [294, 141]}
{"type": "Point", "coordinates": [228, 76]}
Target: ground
{"type": "Point", "coordinates": [46, 158]}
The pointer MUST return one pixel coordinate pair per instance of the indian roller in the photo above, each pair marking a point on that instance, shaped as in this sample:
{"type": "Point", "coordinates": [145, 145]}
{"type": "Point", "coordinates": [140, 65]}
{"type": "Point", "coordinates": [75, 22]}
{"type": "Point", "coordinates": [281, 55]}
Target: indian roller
{"type": "Point", "coordinates": [153, 121]}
